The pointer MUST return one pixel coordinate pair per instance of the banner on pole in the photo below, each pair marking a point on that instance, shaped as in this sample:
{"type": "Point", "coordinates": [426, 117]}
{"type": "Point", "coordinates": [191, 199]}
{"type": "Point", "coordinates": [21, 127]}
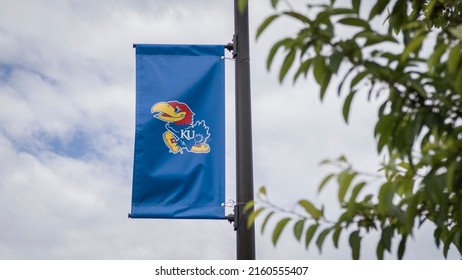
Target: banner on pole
{"type": "Point", "coordinates": [179, 160]}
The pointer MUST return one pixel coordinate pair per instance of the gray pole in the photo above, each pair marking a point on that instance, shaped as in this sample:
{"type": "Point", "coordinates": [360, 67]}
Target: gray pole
{"type": "Point", "coordinates": [244, 166]}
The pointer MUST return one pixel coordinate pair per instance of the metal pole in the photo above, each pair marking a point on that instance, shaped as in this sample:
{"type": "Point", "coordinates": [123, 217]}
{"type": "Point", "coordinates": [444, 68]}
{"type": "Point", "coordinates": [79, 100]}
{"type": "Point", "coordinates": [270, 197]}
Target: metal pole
{"type": "Point", "coordinates": [245, 237]}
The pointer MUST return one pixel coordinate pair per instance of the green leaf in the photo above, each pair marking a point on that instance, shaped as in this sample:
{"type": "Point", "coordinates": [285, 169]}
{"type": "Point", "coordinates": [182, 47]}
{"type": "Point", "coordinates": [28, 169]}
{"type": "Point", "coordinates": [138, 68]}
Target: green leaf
{"type": "Point", "coordinates": [274, 3]}
{"type": "Point", "coordinates": [242, 4]}
{"type": "Point", "coordinates": [435, 57]}
{"type": "Point", "coordinates": [380, 250]}
{"type": "Point", "coordinates": [325, 83]}
{"type": "Point", "coordinates": [339, 89]}
{"type": "Point", "coordinates": [450, 239]}
{"type": "Point", "coordinates": [288, 61]}
{"type": "Point", "coordinates": [342, 158]}
{"type": "Point", "coordinates": [402, 247]}
{"type": "Point", "coordinates": [430, 7]}
{"type": "Point", "coordinates": [387, 234]}
{"type": "Point", "coordinates": [456, 31]}
{"type": "Point", "coordinates": [321, 238]}
{"type": "Point", "coordinates": [249, 205]}
{"type": "Point", "coordinates": [262, 190]}
{"type": "Point", "coordinates": [298, 16]}
{"type": "Point", "coordinates": [373, 38]}
{"type": "Point", "coordinates": [374, 68]}
{"type": "Point", "coordinates": [398, 16]}
{"type": "Point", "coordinates": [411, 213]}
{"type": "Point", "coordinates": [265, 221]}
{"type": "Point", "coordinates": [274, 49]}
{"type": "Point", "coordinates": [386, 194]}
{"type": "Point", "coordinates": [394, 22]}
{"type": "Point", "coordinates": [325, 181]}
{"type": "Point", "coordinates": [378, 8]}
{"type": "Point", "coordinates": [358, 78]}
{"type": "Point", "coordinates": [418, 87]}
{"type": "Point", "coordinates": [446, 246]}
{"type": "Point", "coordinates": [454, 58]}
{"type": "Point", "coordinates": [356, 190]}
{"type": "Point", "coordinates": [311, 209]}
{"type": "Point", "coordinates": [356, 5]}
{"type": "Point", "coordinates": [309, 234]}
{"type": "Point", "coordinates": [355, 244]}
{"type": "Point", "coordinates": [342, 11]}
{"type": "Point", "coordinates": [458, 82]}
{"type": "Point", "coordinates": [347, 104]}
{"type": "Point", "coordinates": [265, 24]}
{"type": "Point", "coordinates": [321, 73]}
{"type": "Point", "coordinates": [390, 56]}
{"type": "Point", "coordinates": [413, 46]}
{"type": "Point", "coordinates": [298, 229]}
{"type": "Point", "coordinates": [303, 69]}
{"type": "Point", "coordinates": [357, 22]}
{"type": "Point", "coordinates": [437, 236]}
{"type": "Point", "coordinates": [458, 240]}
{"type": "Point", "coordinates": [450, 175]}
{"type": "Point", "coordinates": [252, 216]}
{"type": "Point", "coordinates": [319, 69]}
{"type": "Point", "coordinates": [344, 182]}
{"type": "Point", "coordinates": [334, 61]}
{"type": "Point", "coordinates": [278, 230]}
{"type": "Point", "coordinates": [384, 130]}
{"type": "Point", "coordinates": [336, 235]}
{"type": "Point", "coordinates": [412, 25]}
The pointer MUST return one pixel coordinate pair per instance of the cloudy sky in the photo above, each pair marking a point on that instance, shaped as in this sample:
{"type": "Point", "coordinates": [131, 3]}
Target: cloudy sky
{"type": "Point", "coordinates": [67, 93]}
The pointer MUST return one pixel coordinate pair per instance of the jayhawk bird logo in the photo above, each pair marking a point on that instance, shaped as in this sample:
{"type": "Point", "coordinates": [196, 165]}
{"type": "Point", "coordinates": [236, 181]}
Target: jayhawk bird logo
{"type": "Point", "coordinates": [182, 132]}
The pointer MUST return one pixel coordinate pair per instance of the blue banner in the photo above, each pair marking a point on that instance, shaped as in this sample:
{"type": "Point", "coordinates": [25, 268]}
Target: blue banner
{"type": "Point", "coordinates": [179, 161]}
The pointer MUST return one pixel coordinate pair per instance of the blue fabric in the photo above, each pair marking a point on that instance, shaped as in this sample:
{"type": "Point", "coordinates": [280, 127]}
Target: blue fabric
{"type": "Point", "coordinates": [179, 161]}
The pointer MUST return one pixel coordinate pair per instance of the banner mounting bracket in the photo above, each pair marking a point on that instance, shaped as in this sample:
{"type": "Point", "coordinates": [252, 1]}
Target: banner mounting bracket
{"type": "Point", "coordinates": [232, 46]}
{"type": "Point", "coordinates": [234, 218]}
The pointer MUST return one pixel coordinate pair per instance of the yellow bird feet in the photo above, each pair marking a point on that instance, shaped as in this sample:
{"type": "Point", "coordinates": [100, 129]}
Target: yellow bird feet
{"type": "Point", "coordinates": [201, 148]}
{"type": "Point", "coordinates": [171, 142]}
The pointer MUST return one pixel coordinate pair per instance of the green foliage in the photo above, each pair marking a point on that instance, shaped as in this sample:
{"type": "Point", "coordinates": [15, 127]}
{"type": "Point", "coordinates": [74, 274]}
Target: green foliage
{"type": "Point", "coordinates": [412, 64]}
{"type": "Point", "coordinates": [242, 4]}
